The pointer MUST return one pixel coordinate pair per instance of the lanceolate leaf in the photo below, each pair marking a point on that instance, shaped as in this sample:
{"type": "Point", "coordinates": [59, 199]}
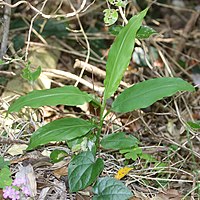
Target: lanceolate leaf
{"type": "Point", "coordinates": [83, 170]}
{"type": "Point", "coordinates": [67, 95]}
{"type": "Point", "coordinates": [119, 141]}
{"type": "Point", "coordinates": [60, 130]}
{"type": "Point", "coordinates": [111, 189]}
{"type": "Point", "coordinates": [147, 92]}
{"type": "Point", "coordinates": [120, 54]}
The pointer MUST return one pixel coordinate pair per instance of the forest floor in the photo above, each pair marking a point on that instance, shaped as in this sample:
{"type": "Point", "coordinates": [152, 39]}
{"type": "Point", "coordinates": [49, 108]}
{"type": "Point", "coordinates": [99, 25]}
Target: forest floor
{"type": "Point", "coordinates": [171, 168]}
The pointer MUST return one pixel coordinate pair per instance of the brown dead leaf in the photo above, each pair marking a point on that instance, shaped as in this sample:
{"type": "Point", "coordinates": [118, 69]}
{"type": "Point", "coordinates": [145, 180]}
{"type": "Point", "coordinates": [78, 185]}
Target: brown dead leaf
{"type": "Point", "coordinates": [170, 194]}
{"type": "Point", "coordinates": [1, 194]}
{"type": "Point", "coordinates": [60, 172]}
{"type": "Point", "coordinates": [85, 194]}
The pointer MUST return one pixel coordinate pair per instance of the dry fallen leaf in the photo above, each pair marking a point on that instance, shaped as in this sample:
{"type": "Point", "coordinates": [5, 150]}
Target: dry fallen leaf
{"type": "Point", "coordinates": [17, 149]}
{"type": "Point", "coordinates": [60, 172]}
{"type": "Point", "coordinates": [170, 194]}
{"type": "Point", "coordinates": [123, 172]}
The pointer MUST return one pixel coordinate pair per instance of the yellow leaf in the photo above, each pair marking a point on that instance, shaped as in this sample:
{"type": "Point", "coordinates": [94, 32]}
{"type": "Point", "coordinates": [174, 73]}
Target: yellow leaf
{"type": "Point", "coordinates": [122, 172]}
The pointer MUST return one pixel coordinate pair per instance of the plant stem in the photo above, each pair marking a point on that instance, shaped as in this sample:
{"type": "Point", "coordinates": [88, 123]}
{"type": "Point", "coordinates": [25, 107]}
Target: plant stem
{"type": "Point", "coordinates": [100, 124]}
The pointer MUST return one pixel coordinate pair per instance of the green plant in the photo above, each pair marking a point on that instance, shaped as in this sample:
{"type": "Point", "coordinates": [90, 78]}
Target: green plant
{"type": "Point", "coordinates": [86, 166]}
{"type": "Point", "coordinates": [30, 76]}
{"type": "Point", "coordinates": [5, 174]}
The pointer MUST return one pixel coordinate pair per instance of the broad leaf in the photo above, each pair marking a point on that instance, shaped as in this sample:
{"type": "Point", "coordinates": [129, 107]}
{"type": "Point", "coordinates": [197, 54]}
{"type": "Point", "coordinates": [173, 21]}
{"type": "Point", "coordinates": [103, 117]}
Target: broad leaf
{"type": "Point", "coordinates": [67, 95]}
{"type": "Point", "coordinates": [145, 32]}
{"type": "Point", "coordinates": [83, 170]}
{"type": "Point", "coordinates": [115, 29]}
{"type": "Point", "coordinates": [110, 189]}
{"type": "Point", "coordinates": [57, 155]}
{"type": "Point", "coordinates": [132, 153]}
{"type": "Point", "coordinates": [3, 163]}
{"type": "Point", "coordinates": [110, 16]}
{"type": "Point", "coordinates": [148, 92]}
{"type": "Point", "coordinates": [118, 2]}
{"type": "Point", "coordinates": [120, 54]}
{"type": "Point", "coordinates": [119, 141]}
{"type": "Point", "coordinates": [60, 130]}
{"type": "Point", "coordinates": [5, 177]}
{"type": "Point", "coordinates": [51, 27]}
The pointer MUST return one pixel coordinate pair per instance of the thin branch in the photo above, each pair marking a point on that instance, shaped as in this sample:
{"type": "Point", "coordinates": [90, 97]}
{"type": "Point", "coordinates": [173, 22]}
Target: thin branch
{"type": "Point", "coordinates": [41, 13]}
{"type": "Point", "coordinates": [6, 26]}
{"type": "Point", "coordinates": [30, 30]}
{"type": "Point", "coordinates": [8, 74]}
{"type": "Point", "coordinates": [86, 40]}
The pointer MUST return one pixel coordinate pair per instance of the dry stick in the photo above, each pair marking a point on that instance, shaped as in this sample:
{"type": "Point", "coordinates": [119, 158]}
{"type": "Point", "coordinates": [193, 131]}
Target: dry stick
{"type": "Point", "coordinates": [41, 13]}
{"type": "Point", "coordinates": [87, 42]}
{"type": "Point", "coordinates": [6, 26]}
{"type": "Point", "coordinates": [186, 31]}
{"type": "Point", "coordinates": [73, 52]}
{"type": "Point", "coordinates": [175, 7]}
{"type": "Point", "coordinates": [92, 69]}
{"type": "Point", "coordinates": [11, 141]}
{"type": "Point", "coordinates": [68, 75]}
{"type": "Point", "coordinates": [30, 30]}
{"type": "Point", "coordinates": [8, 74]}
{"type": "Point", "coordinates": [162, 179]}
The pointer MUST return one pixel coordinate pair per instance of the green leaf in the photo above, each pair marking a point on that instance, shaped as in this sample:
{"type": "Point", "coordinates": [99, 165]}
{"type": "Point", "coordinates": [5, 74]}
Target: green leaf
{"type": "Point", "coordinates": [148, 92]}
{"type": "Point", "coordinates": [110, 16]}
{"type": "Point", "coordinates": [120, 54]}
{"type": "Point", "coordinates": [2, 62]}
{"type": "Point", "coordinates": [57, 155]}
{"type": "Point", "coordinates": [49, 27]}
{"type": "Point", "coordinates": [5, 177]}
{"type": "Point", "coordinates": [18, 41]}
{"type": "Point", "coordinates": [3, 163]}
{"type": "Point", "coordinates": [110, 189]}
{"type": "Point", "coordinates": [121, 3]}
{"type": "Point", "coordinates": [27, 74]}
{"type": "Point", "coordinates": [194, 125]}
{"type": "Point", "coordinates": [132, 153]}
{"type": "Point", "coordinates": [119, 141]}
{"type": "Point", "coordinates": [83, 170]}
{"type": "Point", "coordinates": [60, 130]}
{"type": "Point", "coordinates": [145, 32]}
{"type": "Point", "coordinates": [67, 95]}
{"type": "Point", "coordinates": [115, 29]}
{"type": "Point", "coordinates": [148, 157]}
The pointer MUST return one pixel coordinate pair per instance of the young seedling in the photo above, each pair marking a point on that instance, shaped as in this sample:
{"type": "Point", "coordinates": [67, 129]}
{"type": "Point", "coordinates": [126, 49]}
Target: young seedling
{"type": "Point", "coordinates": [86, 166]}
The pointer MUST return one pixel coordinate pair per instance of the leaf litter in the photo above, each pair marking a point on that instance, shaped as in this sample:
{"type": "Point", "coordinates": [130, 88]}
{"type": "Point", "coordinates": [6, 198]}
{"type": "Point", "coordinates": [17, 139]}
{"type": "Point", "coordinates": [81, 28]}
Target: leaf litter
{"type": "Point", "coordinates": [160, 128]}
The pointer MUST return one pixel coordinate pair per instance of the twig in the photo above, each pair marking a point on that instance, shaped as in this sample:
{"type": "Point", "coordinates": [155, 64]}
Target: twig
{"type": "Point", "coordinates": [30, 30]}
{"type": "Point", "coordinates": [76, 53]}
{"type": "Point", "coordinates": [87, 43]}
{"type": "Point", "coordinates": [188, 28]}
{"type": "Point", "coordinates": [92, 69]}
{"type": "Point", "coordinates": [11, 141]}
{"type": "Point", "coordinates": [6, 26]}
{"type": "Point", "coordinates": [123, 15]}
{"type": "Point", "coordinates": [41, 13]}
{"type": "Point", "coordinates": [68, 75]}
{"type": "Point", "coordinates": [8, 74]}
